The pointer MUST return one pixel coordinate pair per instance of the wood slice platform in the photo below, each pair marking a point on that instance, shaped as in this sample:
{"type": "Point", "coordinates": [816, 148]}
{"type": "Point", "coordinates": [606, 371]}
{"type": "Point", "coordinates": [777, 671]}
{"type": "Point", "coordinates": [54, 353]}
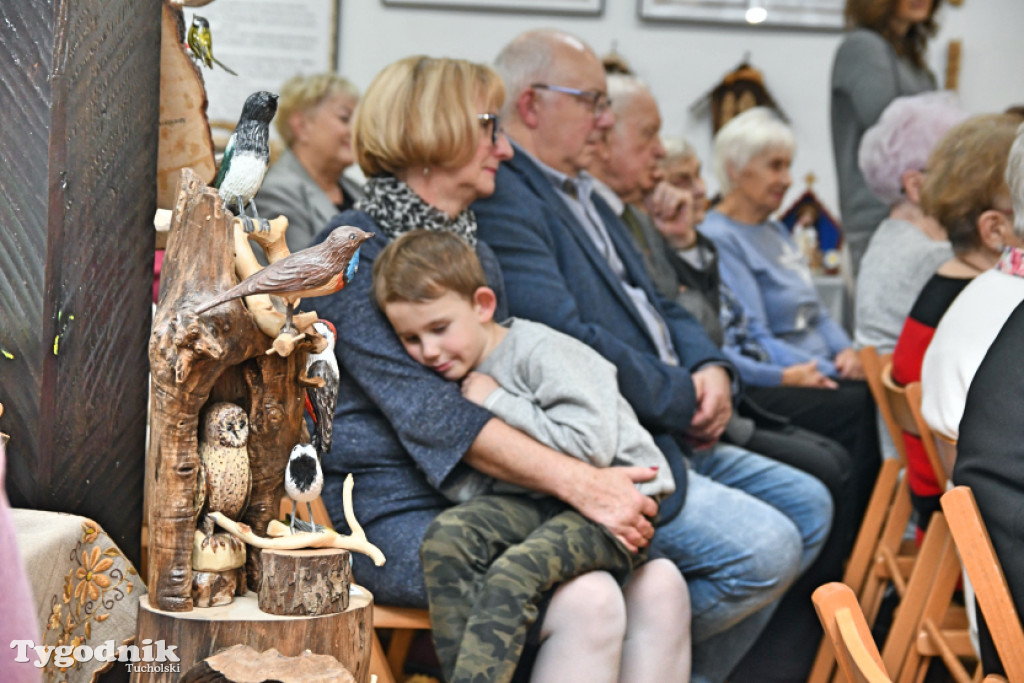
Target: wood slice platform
{"type": "Point", "coordinates": [299, 582]}
{"type": "Point", "coordinates": [346, 636]}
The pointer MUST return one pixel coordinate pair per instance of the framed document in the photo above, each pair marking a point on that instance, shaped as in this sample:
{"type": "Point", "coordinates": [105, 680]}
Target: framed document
{"type": "Point", "coordinates": [266, 42]}
{"type": "Point", "coordinates": [593, 7]}
{"type": "Point", "coordinates": [811, 14]}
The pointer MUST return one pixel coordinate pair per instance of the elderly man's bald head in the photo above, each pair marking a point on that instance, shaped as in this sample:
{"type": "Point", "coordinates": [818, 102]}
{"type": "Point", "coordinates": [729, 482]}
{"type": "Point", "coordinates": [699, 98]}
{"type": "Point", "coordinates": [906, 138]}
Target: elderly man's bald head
{"type": "Point", "coordinates": [538, 56]}
{"type": "Point", "coordinates": [557, 107]}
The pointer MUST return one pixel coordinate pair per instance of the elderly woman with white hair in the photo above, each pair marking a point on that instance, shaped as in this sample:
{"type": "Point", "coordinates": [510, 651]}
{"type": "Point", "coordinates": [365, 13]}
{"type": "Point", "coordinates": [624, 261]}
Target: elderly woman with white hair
{"type": "Point", "coordinates": [908, 245]}
{"type": "Point", "coordinates": [793, 358]}
{"type": "Point", "coordinates": [762, 267]}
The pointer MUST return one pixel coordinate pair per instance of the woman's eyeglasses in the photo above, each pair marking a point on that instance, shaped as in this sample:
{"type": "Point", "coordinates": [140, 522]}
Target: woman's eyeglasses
{"type": "Point", "coordinates": [495, 122]}
{"type": "Point", "coordinates": [595, 99]}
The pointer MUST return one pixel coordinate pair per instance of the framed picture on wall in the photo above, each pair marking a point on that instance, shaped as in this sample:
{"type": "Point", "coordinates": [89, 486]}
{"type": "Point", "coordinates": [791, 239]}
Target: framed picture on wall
{"type": "Point", "coordinates": [824, 15]}
{"type": "Point", "coordinates": [265, 43]}
{"type": "Point", "coordinates": [591, 7]}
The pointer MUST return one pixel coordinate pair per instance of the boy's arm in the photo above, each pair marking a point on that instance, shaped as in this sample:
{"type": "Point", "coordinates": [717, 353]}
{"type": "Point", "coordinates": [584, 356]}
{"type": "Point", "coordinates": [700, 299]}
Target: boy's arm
{"type": "Point", "coordinates": [606, 496]}
{"type": "Point", "coordinates": [557, 390]}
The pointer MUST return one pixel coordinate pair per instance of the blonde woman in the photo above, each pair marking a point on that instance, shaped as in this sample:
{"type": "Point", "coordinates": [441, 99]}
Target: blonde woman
{"type": "Point", "coordinates": [314, 118]}
{"type": "Point", "coordinates": [428, 137]}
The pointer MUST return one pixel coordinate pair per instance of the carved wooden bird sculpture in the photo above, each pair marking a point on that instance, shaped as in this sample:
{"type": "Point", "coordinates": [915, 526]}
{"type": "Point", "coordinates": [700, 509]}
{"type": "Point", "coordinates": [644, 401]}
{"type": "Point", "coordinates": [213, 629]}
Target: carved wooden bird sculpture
{"type": "Point", "coordinates": [315, 271]}
{"type": "Point", "coordinates": [303, 479]}
{"type": "Point", "coordinates": [200, 42]}
{"type": "Point", "coordinates": [247, 155]}
{"type": "Point", "coordinates": [225, 479]}
{"type": "Point", "coordinates": [320, 401]}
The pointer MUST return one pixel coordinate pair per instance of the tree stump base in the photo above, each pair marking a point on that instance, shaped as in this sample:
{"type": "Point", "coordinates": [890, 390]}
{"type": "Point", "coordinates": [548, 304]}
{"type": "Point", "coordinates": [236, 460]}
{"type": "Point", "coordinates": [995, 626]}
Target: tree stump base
{"type": "Point", "coordinates": [198, 634]}
{"type": "Point", "coordinates": [304, 582]}
{"type": "Point", "coordinates": [242, 664]}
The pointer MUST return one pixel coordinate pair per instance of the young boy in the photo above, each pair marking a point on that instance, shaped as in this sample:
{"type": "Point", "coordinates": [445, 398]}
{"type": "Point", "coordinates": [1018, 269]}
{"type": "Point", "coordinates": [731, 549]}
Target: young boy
{"type": "Point", "coordinates": [556, 389]}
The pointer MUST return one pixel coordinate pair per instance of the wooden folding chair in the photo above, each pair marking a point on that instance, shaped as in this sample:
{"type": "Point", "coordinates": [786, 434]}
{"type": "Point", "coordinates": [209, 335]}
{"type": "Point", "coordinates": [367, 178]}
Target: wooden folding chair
{"type": "Point", "coordinates": [878, 553]}
{"type": "Point", "coordinates": [848, 632]}
{"type": "Point", "coordinates": [986, 574]}
{"type": "Point", "coordinates": [926, 623]}
{"type": "Point", "coordinates": [403, 622]}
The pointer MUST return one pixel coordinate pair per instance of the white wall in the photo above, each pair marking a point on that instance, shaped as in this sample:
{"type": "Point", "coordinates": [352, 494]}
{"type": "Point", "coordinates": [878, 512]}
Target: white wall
{"type": "Point", "coordinates": [683, 61]}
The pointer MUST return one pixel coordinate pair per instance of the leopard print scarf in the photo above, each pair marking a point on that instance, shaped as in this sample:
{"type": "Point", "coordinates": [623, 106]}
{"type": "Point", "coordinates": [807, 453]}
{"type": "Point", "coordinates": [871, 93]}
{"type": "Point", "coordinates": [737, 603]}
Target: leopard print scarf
{"type": "Point", "coordinates": [398, 210]}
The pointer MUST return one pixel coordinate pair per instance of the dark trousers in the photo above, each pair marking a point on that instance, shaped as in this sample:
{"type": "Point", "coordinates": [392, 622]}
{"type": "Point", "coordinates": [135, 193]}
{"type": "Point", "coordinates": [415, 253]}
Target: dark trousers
{"type": "Point", "coordinates": [832, 435]}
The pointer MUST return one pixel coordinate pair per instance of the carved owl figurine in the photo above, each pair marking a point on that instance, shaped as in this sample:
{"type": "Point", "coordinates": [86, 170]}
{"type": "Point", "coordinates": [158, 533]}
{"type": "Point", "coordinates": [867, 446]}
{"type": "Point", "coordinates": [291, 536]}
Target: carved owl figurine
{"type": "Point", "coordinates": [225, 479]}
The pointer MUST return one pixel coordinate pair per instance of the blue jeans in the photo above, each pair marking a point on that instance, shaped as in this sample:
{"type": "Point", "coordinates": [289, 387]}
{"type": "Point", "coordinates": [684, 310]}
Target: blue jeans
{"type": "Point", "coordinates": [749, 527]}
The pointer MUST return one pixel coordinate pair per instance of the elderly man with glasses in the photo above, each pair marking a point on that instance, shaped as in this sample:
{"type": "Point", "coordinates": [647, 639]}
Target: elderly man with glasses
{"type": "Point", "coordinates": [747, 526]}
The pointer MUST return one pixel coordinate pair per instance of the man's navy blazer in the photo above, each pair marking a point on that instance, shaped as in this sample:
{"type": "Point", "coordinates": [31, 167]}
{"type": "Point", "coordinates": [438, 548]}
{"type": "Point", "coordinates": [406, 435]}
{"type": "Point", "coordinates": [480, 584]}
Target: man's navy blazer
{"type": "Point", "coordinates": [555, 274]}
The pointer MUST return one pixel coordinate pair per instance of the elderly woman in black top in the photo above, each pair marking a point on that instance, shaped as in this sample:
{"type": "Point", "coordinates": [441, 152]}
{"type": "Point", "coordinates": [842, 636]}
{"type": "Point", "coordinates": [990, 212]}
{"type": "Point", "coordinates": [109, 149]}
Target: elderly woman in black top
{"type": "Point", "coordinates": [428, 139]}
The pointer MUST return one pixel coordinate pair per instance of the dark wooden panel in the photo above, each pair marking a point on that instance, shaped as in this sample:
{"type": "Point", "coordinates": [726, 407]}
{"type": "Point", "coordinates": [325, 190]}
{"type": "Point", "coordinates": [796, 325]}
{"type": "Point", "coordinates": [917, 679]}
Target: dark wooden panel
{"type": "Point", "coordinates": [80, 81]}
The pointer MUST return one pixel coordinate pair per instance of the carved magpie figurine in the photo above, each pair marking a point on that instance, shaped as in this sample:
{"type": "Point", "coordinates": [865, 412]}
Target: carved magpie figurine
{"type": "Point", "coordinates": [320, 401]}
{"type": "Point", "coordinates": [200, 42]}
{"type": "Point", "coordinates": [247, 155]}
{"type": "Point", "coordinates": [303, 480]}
{"type": "Point", "coordinates": [315, 271]}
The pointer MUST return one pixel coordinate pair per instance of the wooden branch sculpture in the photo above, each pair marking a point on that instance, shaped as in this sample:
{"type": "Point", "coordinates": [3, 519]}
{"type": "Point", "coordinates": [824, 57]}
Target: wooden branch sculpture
{"type": "Point", "coordinates": [220, 355]}
{"type": "Point", "coordinates": [281, 538]}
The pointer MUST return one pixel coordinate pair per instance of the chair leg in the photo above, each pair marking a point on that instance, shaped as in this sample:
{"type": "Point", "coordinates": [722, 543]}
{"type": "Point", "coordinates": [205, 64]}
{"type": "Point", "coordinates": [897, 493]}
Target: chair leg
{"type": "Point", "coordinates": [398, 648]}
{"type": "Point", "coordinates": [379, 663]}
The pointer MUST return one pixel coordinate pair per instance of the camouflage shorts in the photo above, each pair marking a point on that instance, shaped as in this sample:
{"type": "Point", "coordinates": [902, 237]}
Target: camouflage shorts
{"type": "Point", "coordinates": [487, 565]}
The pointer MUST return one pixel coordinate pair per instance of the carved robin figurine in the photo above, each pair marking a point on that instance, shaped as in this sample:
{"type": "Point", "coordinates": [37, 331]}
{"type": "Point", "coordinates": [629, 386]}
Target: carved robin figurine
{"type": "Point", "coordinates": [315, 271]}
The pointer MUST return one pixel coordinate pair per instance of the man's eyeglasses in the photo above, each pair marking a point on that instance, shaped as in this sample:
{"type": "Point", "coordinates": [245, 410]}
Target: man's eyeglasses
{"type": "Point", "coordinates": [495, 123]}
{"type": "Point", "coordinates": [595, 99]}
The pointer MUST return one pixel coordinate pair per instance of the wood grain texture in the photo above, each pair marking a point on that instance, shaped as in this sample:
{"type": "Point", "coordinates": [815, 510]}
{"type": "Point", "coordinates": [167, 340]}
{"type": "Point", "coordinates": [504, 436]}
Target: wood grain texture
{"type": "Point", "coordinates": [201, 633]}
{"type": "Point", "coordinates": [304, 581]}
{"type": "Point", "coordinates": [242, 664]}
{"type": "Point", "coordinates": [217, 356]}
{"type": "Point", "coordinates": [80, 83]}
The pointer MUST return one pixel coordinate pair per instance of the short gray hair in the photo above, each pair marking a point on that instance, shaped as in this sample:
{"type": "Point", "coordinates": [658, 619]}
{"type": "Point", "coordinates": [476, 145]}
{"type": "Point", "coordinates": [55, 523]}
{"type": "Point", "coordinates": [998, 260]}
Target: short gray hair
{"type": "Point", "coordinates": [744, 137]}
{"type": "Point", "coordinates": [622, 88]}
{"type": "Point", "coordinates": [1015, 181]}
{"type": "Point", "coordinates": [528, 59]}
{"type": "Point", "coordinates": [903, 138]}
{"type": "Point", "coordinates": [677, 148]}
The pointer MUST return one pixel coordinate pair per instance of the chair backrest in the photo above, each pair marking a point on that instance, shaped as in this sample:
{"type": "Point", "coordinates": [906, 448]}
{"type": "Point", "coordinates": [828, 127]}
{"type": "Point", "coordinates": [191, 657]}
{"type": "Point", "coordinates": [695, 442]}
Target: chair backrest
{"type": "Point", "coordinates": [926, 435]}
{"type": "Point", "coordinates": [844, 625]}
{"type": "Point", "coordinates": [873, 364]}
{"type": "Point", "coordinates": [986, 575]}
{"type": "Point", "coordinates": [905, 408]}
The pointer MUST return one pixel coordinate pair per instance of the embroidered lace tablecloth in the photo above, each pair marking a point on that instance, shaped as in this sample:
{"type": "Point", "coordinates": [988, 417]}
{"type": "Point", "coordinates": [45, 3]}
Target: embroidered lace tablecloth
{"type": "Point", "coordinates": [86, 591]}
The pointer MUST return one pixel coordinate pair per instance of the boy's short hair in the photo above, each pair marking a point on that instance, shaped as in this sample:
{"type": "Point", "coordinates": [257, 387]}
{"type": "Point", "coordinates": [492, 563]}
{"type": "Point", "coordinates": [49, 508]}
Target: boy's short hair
{"type": "Point", "coordinates": [423, 265]}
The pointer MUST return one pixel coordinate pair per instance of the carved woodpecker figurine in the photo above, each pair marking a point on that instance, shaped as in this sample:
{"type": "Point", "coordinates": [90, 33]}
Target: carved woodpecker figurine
{"type": "Point", "coordinates": [315, 271]}
{"type": "Point", "coordinates": [320, 401]}
{"type": "Point", "coordinates": [303, 479]}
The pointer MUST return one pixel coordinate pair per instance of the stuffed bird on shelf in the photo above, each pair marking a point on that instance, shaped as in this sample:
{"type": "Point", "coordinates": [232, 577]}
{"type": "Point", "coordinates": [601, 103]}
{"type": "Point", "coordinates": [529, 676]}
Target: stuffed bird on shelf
{"type": "Point", "coordinates": [321, 269]}
{"type": "Point", "coordinates": [247, 155]}
{"type": "Point", "coordinates": [200, 42]}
